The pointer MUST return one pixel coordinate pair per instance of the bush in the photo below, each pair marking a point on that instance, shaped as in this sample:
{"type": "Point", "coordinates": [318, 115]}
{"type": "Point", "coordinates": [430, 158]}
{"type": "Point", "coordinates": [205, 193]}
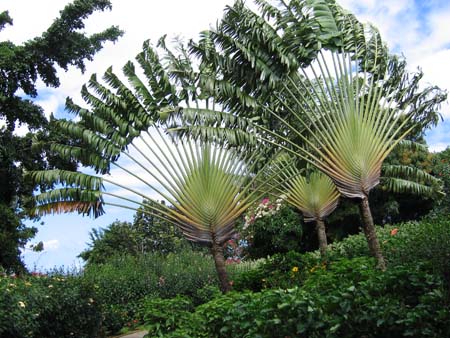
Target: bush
{"type": "Point", "coordinates": [352, 300]}
{"type": "Point", "coordinates": [424, 241]}
{"type": "Point", "coordinates": [124, 281]}
{"type": "Point", "coordinates": [48, 307]}
{"type": "Point", "coordinates": [272, 228]}
{"type": "Point", "coordinates": [205, 294]}
{"type": "Point", "coordinates": [279, 271]}
{"type": "Point", "coordinates": [428, 240]}
{"type": "Point", "coordinates": [162, 316]}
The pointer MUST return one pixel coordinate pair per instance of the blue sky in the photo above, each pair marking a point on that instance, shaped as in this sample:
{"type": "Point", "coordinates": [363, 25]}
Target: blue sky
{"type": "Point", "coordinates": [417, 29]}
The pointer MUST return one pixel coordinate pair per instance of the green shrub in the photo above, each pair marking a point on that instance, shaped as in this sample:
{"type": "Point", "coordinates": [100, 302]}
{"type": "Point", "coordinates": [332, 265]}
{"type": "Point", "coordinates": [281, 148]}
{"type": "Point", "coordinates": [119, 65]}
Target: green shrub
{"type": "Point", "coordinates": [162, 316]}
{"type": "Point", "coordinates": [353, 300]}
{"type": "Point", "coordinates": [48, 307]}
{"type": "Point", "coordinates": [279, 271]}
{"type": "Point", "coordinates": [272, 228]}
{"type": "Point", "coordinates": [428, 240]}
{"type": "Point", "coordinates": [124, 281]}
{"type": "Point", "coordinates": [424, 241]}
{"type": "Point", "coordinates": [205, 294]}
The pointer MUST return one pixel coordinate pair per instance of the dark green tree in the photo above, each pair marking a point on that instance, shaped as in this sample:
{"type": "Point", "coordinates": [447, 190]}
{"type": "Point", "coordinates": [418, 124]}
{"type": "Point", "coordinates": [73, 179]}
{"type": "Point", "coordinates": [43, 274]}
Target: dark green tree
{"type": "Point", "coordinates": [62, 45]}
{"type": "Point", "coordinates": [147, 233]}
{"type": "Point", "coordinates": [116, 239]}
{"type": "Point", "coordinates": [154, 234]}
{"type": "Point", "coordinates": [440, 166]}
{"type": "Point", "coordinates": [272, 234]}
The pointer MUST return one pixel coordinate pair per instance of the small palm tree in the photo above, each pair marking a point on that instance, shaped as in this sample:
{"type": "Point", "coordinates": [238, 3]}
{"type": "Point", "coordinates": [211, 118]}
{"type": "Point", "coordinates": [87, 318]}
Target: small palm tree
{"type": "Point", "coordinates": [316, 197]}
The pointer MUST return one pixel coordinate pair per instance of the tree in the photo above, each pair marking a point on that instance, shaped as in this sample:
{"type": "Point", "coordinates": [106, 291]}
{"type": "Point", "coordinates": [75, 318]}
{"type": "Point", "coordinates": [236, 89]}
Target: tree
{"type": "Point", "coordinates": [145, 234]}
{"type": "Point", "coordinates": [153, 234]}
{"type": "Point", "coordinates": [440, 166]}
{"type": "Point", "coordinates": [62, 45]}
{"type": "Point", "coordinates": [315, 196]}
{"type": "Point", "coordinates": [117, 239]}
{"type": "Point", "coordinates": [264, 58]}
{"type": "Point", "coordinates": [206, 187]}
{"type": "Point", "coordinates": [269, 228]}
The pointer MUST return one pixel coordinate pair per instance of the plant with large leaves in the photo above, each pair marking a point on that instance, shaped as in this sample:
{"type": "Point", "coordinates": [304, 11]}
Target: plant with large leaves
{"type": "Point", "coordinates": [336, 115]}
{"type": "Point", "coordinates": [315, 195]}
{"type": "Point", "coordinates": [354, 127]}
{"type": "Point", "coordinates": [207, 187]}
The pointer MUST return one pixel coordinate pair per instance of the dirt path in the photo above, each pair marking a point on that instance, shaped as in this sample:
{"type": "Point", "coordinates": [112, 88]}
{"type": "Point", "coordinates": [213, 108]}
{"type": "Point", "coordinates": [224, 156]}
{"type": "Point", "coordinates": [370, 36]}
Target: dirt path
{"type": "Point", "coordinates": [137, 334]}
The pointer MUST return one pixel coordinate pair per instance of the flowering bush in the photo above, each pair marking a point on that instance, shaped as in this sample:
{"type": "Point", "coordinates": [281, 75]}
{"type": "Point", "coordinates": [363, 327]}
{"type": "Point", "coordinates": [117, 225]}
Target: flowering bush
{"type": "Point", "coordinates": [48, 307]}
{"type": "Point", "coordinates": [271, 227]}
{"type": "Point", "coordinates": [263, 209]}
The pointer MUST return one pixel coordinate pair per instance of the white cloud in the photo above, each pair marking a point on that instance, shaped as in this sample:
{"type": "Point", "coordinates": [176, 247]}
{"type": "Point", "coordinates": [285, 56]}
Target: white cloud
{"type": "Point", "coordinates": [436, 147]}
{"type": "Point", "coordinates": [51, 245]}
{"type": "Point", "coordinates": [420, 35]}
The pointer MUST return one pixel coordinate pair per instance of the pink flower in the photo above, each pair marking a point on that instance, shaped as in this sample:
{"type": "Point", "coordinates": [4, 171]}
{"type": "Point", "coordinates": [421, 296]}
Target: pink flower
{"type": "Point", "coordinates": [265, 200]}
{"type": "Point", "coordinates": [394, 232]}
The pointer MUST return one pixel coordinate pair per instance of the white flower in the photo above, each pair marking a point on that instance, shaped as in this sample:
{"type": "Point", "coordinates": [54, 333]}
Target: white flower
{"type": "Point", "coordinates": [21, 304]}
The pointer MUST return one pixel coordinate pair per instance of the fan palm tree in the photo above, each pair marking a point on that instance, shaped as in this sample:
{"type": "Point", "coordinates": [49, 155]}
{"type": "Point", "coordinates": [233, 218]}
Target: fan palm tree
{"type": "Point", "coordinates": [207, 189]}
{"type": "Point", "coordinates": [206, 186]}
{"type": "Point", "coordinates": [341, 114]}
{"type": "Point", "coordinates": [316, 197]}
{"type": "Point", "coordinates": [354, 128]}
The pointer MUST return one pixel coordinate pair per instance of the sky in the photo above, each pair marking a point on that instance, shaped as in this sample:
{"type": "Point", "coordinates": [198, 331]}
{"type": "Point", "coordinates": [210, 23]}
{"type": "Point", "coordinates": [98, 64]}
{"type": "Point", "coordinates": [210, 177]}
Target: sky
{"type": "Point", "coordinates": [419, 30]}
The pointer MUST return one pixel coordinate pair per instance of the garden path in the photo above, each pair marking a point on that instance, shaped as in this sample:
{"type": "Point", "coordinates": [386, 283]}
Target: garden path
{"type": "Point", "coordinates": [138, 334]}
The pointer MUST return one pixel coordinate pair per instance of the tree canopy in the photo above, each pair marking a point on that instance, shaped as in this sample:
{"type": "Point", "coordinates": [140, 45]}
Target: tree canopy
{"type": "Point", "coordinates": [63, 44]}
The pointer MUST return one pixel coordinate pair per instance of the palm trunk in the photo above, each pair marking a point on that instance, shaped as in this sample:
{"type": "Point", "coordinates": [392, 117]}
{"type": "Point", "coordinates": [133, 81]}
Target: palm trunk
{"type": "Point", "coordinates": [322, 237]}
{"type": "Point", "coordinates": [371, 236]}
{"type": "Point", "coordinates": [219, 261]}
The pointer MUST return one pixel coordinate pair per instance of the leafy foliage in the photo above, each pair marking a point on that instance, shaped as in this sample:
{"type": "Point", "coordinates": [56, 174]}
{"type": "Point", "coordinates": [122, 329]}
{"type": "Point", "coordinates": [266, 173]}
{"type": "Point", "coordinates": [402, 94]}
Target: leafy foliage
{"type": "Point", "coordinates": [123, 281]}
{"type": "Point", "coordinates": [283, 270]}
{"type": "Point", "coordinates": [274, 233]}
{"type": "Point", "coordinates": [351, 300]}
{"type": "Point", "coordinates": [162, 316]}
{"type": "Point", "coordinates": [146, 234]}
{"type": "Point", "coordinates": [48, 307]}
{"type": "Point", "coordinates": [62, 45]}
{"type": "Point", "coordinates": [440, 167]}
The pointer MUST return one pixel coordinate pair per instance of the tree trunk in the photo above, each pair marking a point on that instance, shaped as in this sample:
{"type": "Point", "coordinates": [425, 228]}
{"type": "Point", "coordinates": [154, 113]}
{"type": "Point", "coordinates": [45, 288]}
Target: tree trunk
{"type": "Point", "coordinates": [371, 236]}
{"type": "Point", "coordinates": [217, 252]}
{"type": "Point", "coordinates": [322, 236]}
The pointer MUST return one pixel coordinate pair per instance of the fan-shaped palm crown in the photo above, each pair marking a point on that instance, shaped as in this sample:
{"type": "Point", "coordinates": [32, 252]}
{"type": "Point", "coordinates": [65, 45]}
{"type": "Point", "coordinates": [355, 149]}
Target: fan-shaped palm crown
{"type": "Point", "coordinates": [316, 196]}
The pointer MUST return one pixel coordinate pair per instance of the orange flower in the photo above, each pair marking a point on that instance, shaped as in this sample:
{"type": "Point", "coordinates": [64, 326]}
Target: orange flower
{"type": "Point", "coordinates": [394, 232]}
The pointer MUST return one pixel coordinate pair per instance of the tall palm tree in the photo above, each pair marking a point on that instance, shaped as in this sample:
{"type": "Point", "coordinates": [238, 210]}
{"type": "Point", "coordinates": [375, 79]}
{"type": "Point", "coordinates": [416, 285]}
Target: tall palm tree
{"type": "Point", "coordinates": [343, 114]}
{"type": "Point", "coordinates": [206, 186]}
{"type": "Point", "coordinates": [207, 189]}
